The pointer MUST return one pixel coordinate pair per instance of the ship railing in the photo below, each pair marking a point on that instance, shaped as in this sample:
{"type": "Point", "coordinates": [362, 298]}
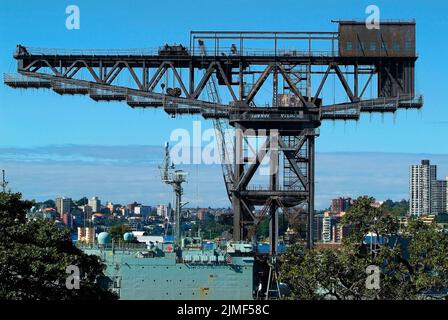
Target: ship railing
{"type": "Point", "coordinates": [112, 246]}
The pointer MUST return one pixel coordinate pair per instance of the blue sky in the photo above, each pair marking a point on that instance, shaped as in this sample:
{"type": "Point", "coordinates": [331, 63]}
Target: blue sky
{"type": "Point", "coordinates": [30, 119]}
{"type": "Point", "coordinates": [40, 118]}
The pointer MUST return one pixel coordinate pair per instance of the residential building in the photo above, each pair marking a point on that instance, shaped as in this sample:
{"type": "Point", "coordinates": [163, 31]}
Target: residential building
{"type": "Point", "coordinates": [67, 219]}
{"type": "Point", "coordinates": [332, 228]}
{"type": "Point", "coordinates": [340, 204]}
{"type": "Point", "coordinates": [63, 205]}
{"type": "Point", "coordinates": [95, 204]}
{"type": "Point", "coordinates": [326, 227]}
{"type": "Point", "coordinates": [421, 178]}
{"type": "Point", "coordinates": [110, 206]}
{"type": "Point", "coordinates": [439, 196]}
{"type": "Point", "coordinates": [318, 227]}
{"type": "Point", "coordinates": [131, 206]}
{"type": "Point", "coordinates": [142, 210]}
{"type": "Point", "coordinates": [87, 210]}
{"type": "Point", "coordinates": [427, 194]}
{"type": "Point", "coordinates": [203, 214]}
{"type": "Point", "coordinates": [162, 211]}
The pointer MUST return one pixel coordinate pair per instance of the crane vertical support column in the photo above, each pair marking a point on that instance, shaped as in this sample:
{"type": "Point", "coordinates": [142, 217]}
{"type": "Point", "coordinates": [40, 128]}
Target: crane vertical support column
{"type": "Point", "coordinates": [311, 154]}
{"type": "Point", "coordinates": [238, 229]}
{"type": "Point", "coordinates": [273, 185]}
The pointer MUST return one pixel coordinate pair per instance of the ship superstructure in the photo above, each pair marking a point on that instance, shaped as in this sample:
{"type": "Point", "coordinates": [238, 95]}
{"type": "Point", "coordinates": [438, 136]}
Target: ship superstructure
{"type": "Point", "coordinates": [162, 271]}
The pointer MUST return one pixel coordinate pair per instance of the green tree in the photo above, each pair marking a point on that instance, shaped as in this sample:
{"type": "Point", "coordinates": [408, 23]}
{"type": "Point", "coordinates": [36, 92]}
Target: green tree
{"type": "Point", "coordinates": [397, 209]}
{"type": "Point", "coordinates": [263, 226]}
{"type": "Point", "coordinates": [82, 202]}
{"type": "Point", "coordinates": [49, 204]}
{"type": "Point", "coordinates": [412, 265]}
{"type": "Point", "coordinates": [34, 256]}
{"type": "Point", "coordinates": [116, 232]}
{"type": "Point", "coordinates": [209, 228]}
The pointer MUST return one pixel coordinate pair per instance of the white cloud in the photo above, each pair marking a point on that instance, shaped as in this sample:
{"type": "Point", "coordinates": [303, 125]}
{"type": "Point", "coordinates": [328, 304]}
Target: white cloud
{"type": "Point", "coordinates": [130, 173]}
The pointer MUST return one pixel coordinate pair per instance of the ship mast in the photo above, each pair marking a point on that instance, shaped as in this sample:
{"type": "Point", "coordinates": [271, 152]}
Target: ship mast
{"type": "Point", "coordinates": [175, 178]}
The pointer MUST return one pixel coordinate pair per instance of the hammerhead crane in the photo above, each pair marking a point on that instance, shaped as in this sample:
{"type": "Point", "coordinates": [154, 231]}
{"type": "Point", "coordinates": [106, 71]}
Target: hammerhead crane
{"type": "Point", "coordinates": [293, 66]}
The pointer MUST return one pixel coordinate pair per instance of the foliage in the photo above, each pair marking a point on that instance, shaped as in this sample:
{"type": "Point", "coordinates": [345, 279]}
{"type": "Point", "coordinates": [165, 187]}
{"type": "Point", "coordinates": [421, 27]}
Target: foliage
{"type": "Point", "coordinates": [116, 232]}
{"type": "Point", "coordinates": [209, 228]}
{"type": "Point", "coordinates": [397, 209]}
{"type": "Point", "coordinates": [263, 226]}
{"type": "Point", "coordinates": [413, 264]}
{"type": "Point", "coordinates": [34, 256]}
{"type": "Point", "coordinates": [82, 202]}
{"type": "Point", "coordinates": [49, 204]}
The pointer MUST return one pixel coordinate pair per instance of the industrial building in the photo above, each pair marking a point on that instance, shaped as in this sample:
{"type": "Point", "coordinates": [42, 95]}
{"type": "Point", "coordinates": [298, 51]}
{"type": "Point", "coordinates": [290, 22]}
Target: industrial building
{"type": "Point", "coordinates": [86, 235]}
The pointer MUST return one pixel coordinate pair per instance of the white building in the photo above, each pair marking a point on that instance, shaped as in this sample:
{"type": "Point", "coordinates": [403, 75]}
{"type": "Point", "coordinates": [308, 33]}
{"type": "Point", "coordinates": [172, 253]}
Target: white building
{"type": "Point", "coordinates": [427, 195]}
{"type": "Point", "coordinates": [162, 211]}
{"type": "Point", "coordinates": [95, 204]}
{"type": "Point", "coordinates": [326, 228]}
{"type": "Point", "coordinates": [421, 178]}
{"type": "Point", "coordinates": [142, 210]}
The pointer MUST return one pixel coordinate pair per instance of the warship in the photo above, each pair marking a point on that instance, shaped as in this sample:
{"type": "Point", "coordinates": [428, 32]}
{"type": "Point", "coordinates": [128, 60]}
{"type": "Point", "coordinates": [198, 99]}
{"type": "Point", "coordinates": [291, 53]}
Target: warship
{"type": "Point", "coordinates": [162, 270]}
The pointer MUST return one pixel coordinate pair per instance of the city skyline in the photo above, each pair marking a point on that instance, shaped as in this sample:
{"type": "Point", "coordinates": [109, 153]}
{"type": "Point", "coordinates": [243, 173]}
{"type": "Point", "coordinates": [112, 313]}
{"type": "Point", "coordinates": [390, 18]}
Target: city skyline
{"type": "Point", "coordinates": [40, 121]}
{"type": "Point", "coordinates": [130, 173]}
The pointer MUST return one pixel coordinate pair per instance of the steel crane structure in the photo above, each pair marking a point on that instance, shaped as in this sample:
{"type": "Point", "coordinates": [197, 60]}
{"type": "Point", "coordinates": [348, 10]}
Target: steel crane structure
{"type": "Point", "coordinates": [295, 66]}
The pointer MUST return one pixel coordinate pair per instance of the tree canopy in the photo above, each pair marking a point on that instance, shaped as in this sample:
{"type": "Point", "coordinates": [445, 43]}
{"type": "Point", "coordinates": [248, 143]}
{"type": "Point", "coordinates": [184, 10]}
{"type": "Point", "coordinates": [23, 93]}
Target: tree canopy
{"type": "Point", "coordinates": [117, 231]}
{"type": "Point", "coordinates": [413, 263]}
{"type": "Point", "coordinates": [34, 256]}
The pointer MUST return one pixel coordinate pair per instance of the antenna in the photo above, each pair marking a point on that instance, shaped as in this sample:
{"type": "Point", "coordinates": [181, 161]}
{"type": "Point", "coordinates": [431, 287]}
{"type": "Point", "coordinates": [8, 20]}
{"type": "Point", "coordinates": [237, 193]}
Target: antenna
{"type": "Point", "coordinates": [4, 182]}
